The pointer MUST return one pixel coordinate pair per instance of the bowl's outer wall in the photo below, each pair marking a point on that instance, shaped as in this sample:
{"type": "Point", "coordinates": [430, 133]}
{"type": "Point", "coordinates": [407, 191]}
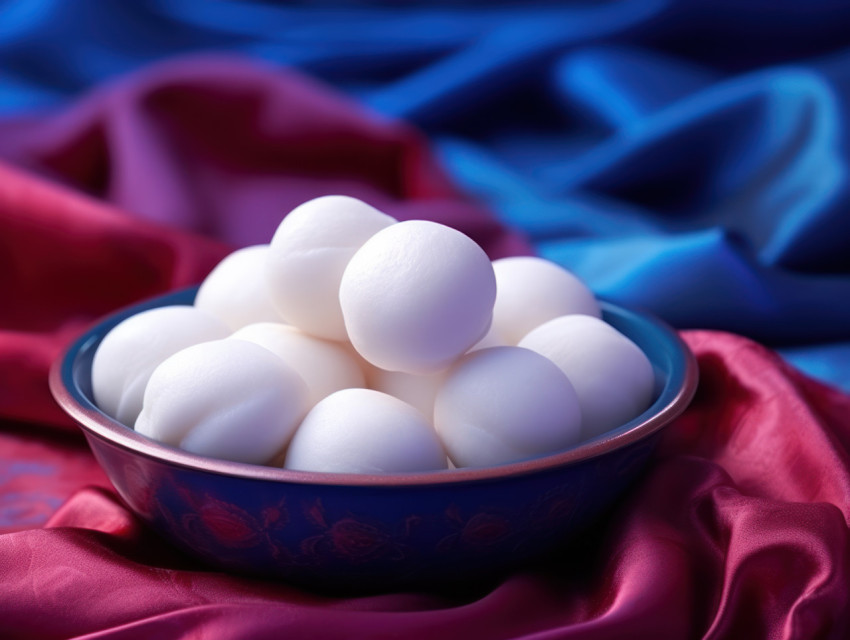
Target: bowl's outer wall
{"type": "Point", "coordinates": [383, 536]}
{"type": "Point", "coordinates": [364, 536]}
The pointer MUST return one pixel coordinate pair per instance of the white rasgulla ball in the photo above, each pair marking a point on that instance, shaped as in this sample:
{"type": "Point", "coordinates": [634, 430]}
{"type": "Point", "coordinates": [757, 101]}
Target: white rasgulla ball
{"type": "Point", "coordinates": [490, 339]}
{"type": "Point", "coordinates": [131, 351]}
{"type": "Point", "coordinates": [365, 431]}
{"type": "Point", "coordinates": [236, 292]}
{"type": "Point", "coordinates": [418, 391]}
{"type": "Point", "coordinates": [613, 378]}
{"type": "Point", "coordinates": [505, 404]}
{"type": "Point", "coordinates": [531, 291]}
{"type": "Point", "coordinates": [325, 366]}
{"type": "Point", "coordinates": [309, 252]}
{"type": "Point", "coordinates": [416, 296]}
{"type": "Point", "coordinates": [227, 399]}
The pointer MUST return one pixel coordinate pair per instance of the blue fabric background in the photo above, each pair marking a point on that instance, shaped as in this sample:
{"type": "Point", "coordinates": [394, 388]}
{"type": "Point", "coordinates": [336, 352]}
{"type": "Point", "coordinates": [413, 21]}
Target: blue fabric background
{"type": "Point", "coordinates": [688, 157]}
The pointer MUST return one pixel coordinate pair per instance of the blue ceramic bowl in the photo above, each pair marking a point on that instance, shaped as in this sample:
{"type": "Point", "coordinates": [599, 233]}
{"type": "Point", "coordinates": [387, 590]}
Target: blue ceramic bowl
{"type": "Point", "coordinates": [371, 532]}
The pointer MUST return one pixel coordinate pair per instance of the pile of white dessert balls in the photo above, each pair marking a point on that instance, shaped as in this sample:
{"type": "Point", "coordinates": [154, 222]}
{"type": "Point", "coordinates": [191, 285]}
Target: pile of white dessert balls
{"type": "Point", "coordinates": [353, 343]}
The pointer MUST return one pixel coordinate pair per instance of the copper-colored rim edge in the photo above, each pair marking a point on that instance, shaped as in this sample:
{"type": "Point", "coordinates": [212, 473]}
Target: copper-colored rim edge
{"type": "Point", "coordinates": [104, 428]}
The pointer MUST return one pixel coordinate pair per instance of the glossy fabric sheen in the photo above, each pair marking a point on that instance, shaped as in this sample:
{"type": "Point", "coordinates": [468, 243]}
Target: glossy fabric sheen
{"type": "Point", "coordinates": [739, 530]}
{"type": "Point", "coordinates": [689, 157]}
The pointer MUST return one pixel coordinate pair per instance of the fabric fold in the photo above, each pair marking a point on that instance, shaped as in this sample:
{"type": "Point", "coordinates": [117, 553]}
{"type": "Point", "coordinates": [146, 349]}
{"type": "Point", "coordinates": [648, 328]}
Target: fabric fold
{"type": "Point", "coordinates": [712, 542]}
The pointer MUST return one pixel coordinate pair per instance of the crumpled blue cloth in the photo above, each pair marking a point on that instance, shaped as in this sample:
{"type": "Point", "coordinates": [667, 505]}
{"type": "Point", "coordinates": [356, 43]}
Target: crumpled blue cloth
{"type": "Point", "coordinates": [689, 158]}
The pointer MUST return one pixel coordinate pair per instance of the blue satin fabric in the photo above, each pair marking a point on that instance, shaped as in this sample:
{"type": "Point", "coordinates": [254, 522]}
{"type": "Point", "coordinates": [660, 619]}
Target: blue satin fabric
{"type": "Point", "coordinates": [689, 158]}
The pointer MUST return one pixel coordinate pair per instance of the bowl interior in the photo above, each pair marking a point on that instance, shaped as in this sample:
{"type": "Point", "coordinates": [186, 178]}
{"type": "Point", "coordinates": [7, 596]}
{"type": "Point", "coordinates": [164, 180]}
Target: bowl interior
{"type": "Point", "coordinates": [675, 374]}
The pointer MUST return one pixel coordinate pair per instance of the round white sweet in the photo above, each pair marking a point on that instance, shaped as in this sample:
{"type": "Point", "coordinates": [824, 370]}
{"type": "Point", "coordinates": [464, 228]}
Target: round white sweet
{"type": "Point", "coordinates": [490, 339]}
{"type": "Point", "coordinates": [309, 252]}
{"type": "Point", "coordinates": [505, 404]}
{"type": "Point", "coordinates": [531, 291]}
{"type": "Point", "coordinates": [236, 292]}
{"type": "Point", "coordinates": [416, 296]}
{"type": "Point", "coordinates": [613, 378]}
{"type": "Point", "coordinates": [227, 399]}
{"type": "Point", "coordinates": [418, 391]}
{"type": "Point", "coordinates": [365, 431]}
{"type": "Point", "coordinates": [131, 351]}
{"type": "Point", "coordinates": [325, 366]}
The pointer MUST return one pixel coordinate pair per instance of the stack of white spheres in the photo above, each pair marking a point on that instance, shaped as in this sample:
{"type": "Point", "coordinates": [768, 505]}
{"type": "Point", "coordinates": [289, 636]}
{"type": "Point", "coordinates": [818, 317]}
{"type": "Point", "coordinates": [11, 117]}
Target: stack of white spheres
{"type": "Point", "coordinates": [228, 399]}
{"type": "Point", "coordinates": [413, 310]}
{"type": "Point", "coordinates": [235, 291]}
{"type": "Point", "coordinates": [133, 349]}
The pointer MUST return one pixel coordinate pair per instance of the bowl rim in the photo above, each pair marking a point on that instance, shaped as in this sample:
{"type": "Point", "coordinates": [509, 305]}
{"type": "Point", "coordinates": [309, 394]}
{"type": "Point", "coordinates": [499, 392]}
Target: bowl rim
{"type": "Point", "coordinates": [95, 423]}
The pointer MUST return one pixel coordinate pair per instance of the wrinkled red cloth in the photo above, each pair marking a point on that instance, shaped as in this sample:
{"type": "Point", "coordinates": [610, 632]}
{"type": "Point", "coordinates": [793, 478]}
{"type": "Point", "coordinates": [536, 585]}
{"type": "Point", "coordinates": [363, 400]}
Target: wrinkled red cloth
{"type": "Point", "coordinates": [66, 259]}
{"type": "Point", "coordinates": [738, 530]}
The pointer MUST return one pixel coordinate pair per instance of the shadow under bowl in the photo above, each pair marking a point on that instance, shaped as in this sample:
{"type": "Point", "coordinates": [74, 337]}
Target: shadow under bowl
{"type": "Point", "coordinates": [374, 532]}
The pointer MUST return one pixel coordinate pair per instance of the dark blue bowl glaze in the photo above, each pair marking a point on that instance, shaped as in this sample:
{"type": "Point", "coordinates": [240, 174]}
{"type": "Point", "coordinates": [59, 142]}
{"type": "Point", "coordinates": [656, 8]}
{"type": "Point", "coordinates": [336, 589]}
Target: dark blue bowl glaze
{"type": "Point", "coordinates": [342, 531]}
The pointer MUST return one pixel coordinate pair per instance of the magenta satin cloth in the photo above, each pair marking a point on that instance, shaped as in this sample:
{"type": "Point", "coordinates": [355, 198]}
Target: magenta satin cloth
{"type": "Point", "coordinates": [739, 530]}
